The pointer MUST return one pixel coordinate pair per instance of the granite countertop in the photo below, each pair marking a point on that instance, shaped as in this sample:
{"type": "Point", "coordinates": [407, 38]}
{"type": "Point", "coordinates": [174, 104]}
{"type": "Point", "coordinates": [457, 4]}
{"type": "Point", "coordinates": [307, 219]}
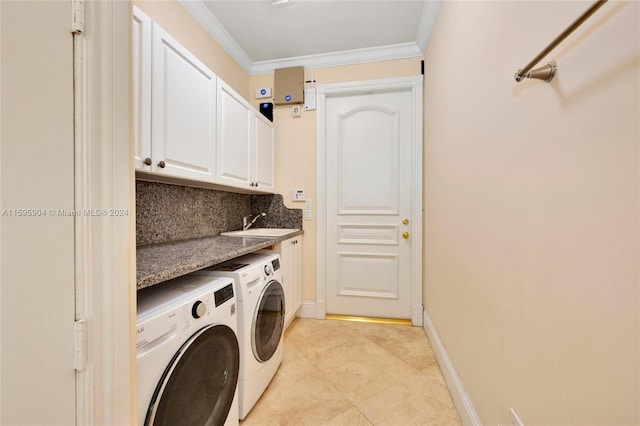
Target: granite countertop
{"type": "Point", "coordinates": [156, 263]}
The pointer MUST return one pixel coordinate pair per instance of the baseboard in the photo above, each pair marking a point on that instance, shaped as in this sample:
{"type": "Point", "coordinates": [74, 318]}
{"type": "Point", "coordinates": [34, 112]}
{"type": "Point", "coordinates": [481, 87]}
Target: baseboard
{"type": "Point", "coordinates": [461, 399]}
{"type": "Point", "coordinates": [416, 316]}
{"type": "Point", "coordinates": [307, 309]}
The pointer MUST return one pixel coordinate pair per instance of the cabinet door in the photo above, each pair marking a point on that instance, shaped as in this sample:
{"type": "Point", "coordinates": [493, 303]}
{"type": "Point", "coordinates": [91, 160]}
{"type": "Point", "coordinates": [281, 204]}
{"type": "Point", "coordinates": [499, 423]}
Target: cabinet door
{"type": "Point", "coordinates": [263, 153]}
{"type": "Point", "coordinates": [183, 111]}
{"type": "Point", "coordinates": [296, 291]}
{"type": "Point", "coordinates": [141, 63]}
{"type": "Point", "coordinates": [234, 138]}
{"type": "Point", "coordinates": [291, 255]}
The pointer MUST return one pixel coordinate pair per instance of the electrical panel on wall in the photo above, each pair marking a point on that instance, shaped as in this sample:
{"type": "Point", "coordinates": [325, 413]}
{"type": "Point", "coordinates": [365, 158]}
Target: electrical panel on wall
{"type": "Point", "coordinates": [289, 86]}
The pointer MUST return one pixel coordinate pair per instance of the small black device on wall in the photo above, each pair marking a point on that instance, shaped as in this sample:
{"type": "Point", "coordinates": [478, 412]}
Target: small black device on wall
{"type": "Point", "coordinates": [266, 108]}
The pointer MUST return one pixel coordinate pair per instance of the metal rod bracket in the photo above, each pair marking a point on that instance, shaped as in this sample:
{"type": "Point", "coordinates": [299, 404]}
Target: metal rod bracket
{"type": "Point", "coordinates": [545, 73]}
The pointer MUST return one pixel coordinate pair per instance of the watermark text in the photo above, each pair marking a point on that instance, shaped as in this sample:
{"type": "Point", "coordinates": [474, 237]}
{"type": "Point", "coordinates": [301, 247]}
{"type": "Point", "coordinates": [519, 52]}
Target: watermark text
{"type": "Point", "coordinates": [35, 212]}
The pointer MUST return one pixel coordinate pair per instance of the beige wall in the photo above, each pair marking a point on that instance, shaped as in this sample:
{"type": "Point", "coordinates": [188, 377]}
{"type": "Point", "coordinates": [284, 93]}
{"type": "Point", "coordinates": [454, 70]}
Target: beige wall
{"type": "Point", "coordinates": [532, 210]}
{"type": "Point", "coordinates": [175, 19]}
{"type": "Point", "coordinates": [296, 145]}
{"type": "Point", "coordinates": [37, 172]}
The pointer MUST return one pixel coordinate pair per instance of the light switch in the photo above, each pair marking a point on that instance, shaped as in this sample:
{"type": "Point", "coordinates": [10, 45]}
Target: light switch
{"type": "Point", "coordinates": [307, 209]}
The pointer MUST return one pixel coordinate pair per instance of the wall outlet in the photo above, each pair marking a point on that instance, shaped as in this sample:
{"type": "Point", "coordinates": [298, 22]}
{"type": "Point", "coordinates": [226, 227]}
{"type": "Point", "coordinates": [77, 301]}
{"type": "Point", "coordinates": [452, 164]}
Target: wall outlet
{"type": "Point", "coordinates": [515, 418]}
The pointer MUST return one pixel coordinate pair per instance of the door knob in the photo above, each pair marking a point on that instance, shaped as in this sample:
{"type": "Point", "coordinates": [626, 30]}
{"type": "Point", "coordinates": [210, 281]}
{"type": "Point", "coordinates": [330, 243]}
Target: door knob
{"type": "Point", "coordinates": [406, 221]}
{"type": "Point", "coordinates": [161, 164]}
{"type": "Point", "coordinates": [147, 161]}
{"type": "Point", "coordinates": [405, 235]}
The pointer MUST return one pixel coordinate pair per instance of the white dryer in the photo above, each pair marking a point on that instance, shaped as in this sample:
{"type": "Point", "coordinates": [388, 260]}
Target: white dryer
{"type": "Point", "coordinates": [187, 353]}
{"type": "Point", "coordinates": [261, 306]}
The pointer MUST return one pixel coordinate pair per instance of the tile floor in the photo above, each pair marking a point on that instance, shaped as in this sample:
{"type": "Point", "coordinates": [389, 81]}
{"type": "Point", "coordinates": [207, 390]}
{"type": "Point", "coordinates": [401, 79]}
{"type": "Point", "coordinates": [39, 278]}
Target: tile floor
{"type": "Point", "coordinates": [355, 374]}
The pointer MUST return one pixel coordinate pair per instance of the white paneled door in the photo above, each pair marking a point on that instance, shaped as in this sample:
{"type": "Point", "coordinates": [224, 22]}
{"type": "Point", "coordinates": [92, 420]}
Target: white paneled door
{"type": "Point", "coordinates": [370, 218]}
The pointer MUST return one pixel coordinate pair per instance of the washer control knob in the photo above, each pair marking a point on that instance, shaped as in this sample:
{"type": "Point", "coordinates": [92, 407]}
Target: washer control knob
{"type": "Point", "coordinates": [198, 309]}
{"type": "Point", "coordinates": [267, 269]}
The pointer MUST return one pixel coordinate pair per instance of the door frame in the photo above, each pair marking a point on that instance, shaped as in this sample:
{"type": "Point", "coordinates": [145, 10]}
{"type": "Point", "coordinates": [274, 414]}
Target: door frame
{"type": "Point", "coordinates": [325, 91]}
{"type": "Point", "coordinates": [105, 248]}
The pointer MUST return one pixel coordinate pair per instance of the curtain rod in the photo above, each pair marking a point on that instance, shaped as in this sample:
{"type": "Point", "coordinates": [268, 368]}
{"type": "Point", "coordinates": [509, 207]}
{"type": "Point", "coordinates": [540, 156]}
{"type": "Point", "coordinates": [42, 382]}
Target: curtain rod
{"type": "Point", "coordinates": [548, 71]}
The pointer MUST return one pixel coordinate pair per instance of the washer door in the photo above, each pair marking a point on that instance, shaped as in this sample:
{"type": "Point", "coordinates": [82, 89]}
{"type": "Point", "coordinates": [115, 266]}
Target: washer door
{"type": "Point", "coordinates": [268, 321]}
{"type": "Point", "coordinates": [198, 386]}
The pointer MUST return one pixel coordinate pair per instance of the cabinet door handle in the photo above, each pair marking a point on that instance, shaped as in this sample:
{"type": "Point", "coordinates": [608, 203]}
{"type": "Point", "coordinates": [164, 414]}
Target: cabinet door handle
{"type": "Point", "coordinates": [162, 164]}
{"type": "Point", "coordinates": [147, 161]}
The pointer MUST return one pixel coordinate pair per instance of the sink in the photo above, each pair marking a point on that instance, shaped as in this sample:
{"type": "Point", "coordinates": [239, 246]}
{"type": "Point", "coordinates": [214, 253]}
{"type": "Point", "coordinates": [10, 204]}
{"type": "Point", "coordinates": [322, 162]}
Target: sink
{"type": "Point", "coordinates": [261, 232]}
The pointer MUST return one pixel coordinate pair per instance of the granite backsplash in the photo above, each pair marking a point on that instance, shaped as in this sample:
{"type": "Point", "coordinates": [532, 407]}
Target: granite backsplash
{"type": "Point", "coordinates": [166, 213]}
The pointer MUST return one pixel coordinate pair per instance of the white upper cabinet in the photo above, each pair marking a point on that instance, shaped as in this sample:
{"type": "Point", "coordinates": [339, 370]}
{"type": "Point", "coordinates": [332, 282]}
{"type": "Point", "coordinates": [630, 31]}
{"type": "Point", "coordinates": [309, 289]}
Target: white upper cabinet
{"type": "Point", "coordinates": [263, 153]}
{"type": "Point", "coordinates": [234, 138]}
{"type": "Point", "coordinates": [174, 104]}
{"type": "Point", "coordinates": [190, 124]}
{"type": "Point", "coordinates": [141, 50]}
{"type": "Point", "coordinates": [245, 143]}
{"type": "Point", "coordinates": [183, 112]}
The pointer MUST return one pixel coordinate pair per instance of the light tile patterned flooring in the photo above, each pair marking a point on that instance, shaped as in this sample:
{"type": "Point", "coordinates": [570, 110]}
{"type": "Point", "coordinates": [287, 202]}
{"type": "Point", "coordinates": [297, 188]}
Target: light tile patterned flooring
{"type": "Point", "coordinates": [355, 374]}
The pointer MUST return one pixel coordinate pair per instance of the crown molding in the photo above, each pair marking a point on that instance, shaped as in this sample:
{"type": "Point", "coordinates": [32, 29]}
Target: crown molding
{"type": "Point", "coordinates": [210, 23]}
{"type": "Point", "coordinates": [427, 21]}
{"type": "Point", "coordinates": [348, 57]}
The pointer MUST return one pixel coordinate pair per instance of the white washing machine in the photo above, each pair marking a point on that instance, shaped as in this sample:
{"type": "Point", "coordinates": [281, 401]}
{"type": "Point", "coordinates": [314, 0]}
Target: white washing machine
{"type": "Point", "coordinates": [261, 307]}
{"type": "Point", "coordinates": [187, 352]}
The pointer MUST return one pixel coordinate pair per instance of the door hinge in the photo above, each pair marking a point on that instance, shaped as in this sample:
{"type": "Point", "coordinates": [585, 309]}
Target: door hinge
{"type": "Point", "coordinates": [80, 345]}
{"type": "Point", "coordinates": [77, 16]}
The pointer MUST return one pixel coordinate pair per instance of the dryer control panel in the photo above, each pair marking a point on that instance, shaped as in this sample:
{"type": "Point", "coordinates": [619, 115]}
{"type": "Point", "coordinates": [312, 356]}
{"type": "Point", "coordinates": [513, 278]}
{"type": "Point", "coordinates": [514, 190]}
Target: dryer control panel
{"type": "Point", "coordinates": [275, 264]}
{"type": "Point", "coordinates": [224, 294]}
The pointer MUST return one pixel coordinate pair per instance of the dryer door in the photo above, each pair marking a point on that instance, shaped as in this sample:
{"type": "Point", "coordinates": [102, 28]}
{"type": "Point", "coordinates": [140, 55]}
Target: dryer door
{"type": "Point", "coordinates": [198, 386]}
{"type": "Point", "coordinates": [268, 322]}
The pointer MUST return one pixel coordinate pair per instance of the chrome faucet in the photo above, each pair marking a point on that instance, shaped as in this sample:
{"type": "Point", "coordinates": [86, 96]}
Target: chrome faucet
{"type": "Point", "coordinates": [247, 221]}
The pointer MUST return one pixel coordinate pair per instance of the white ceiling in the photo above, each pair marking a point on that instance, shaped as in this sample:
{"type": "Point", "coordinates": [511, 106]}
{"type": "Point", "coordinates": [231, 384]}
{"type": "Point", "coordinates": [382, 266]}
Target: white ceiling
{"type": "Point", "coordinates": [316, 33]}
